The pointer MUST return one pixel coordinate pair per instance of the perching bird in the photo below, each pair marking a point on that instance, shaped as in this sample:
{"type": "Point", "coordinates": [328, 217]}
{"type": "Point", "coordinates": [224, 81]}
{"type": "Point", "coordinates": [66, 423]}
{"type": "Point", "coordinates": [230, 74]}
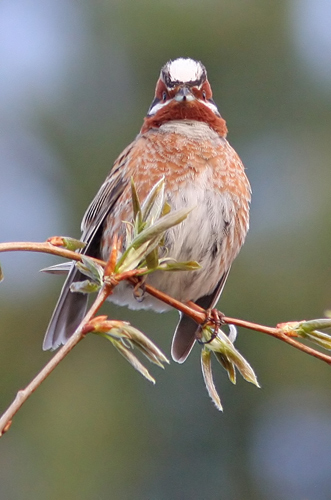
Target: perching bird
{"type": "Point", "coordinates": [183, 138]}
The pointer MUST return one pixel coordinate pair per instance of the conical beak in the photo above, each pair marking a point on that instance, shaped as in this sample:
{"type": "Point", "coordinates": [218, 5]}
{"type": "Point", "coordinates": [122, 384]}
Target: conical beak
{"type": "Point", "coordinates": [184, 94]}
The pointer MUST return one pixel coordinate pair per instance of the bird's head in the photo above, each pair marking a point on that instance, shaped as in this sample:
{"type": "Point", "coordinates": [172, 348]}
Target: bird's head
{"type": "Point", "coordinates": [183, 92]}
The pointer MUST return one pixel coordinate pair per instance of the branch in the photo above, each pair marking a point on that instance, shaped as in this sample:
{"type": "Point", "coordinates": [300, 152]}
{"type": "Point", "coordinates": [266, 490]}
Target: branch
{"type": "Point", "coordinates": [198, 314]}
{"type": "Point", "coordinates": [24, 394]}
{"type": "Point", "coordinates": [113, 330]}
{"type": "Point", "coordinates": [284, 332]}
{"type": "Point", "coordinates": [46, 247]}
{"type": "Point", "coordinates": [139, 256]}
{"type": "Point", "coordinates": [281, 332]}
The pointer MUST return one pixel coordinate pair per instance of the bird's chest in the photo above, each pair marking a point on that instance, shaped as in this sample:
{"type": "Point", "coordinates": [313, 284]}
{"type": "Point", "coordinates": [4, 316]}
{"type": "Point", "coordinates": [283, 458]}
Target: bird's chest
{"type": "Point", "coordinates": [202, 172]}
{"type": "Point", "coordinates": [184, 159]}
{"type": "Point", "coordinates": [197, 166]}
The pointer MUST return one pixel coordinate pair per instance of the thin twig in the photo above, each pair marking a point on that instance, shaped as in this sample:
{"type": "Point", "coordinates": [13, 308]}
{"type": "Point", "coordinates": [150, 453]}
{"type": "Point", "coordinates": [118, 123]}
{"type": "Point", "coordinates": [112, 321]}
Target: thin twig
{"type": "Point", "coordinates": [24, 394]}
{"type": "Point", "coordinates": [44, 248]}
{"type": "Point", "coordinates": [199, 315]}
{"type": "Point", "coordinates": [195, 312]}
{"type": "Point", "coordinates": [280, 335]}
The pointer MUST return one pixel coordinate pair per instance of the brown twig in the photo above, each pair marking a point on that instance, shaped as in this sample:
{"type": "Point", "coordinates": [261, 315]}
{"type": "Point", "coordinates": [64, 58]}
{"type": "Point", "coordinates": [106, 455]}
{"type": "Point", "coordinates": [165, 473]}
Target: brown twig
{"type": "Point", "coordinates": [44, 248]}
{"type": "Point", "coordinates": [199, 315]}
{"type": "Point", "coordinates": [24, 394]}
{"type": "Point", "coordinates": [196, 313]}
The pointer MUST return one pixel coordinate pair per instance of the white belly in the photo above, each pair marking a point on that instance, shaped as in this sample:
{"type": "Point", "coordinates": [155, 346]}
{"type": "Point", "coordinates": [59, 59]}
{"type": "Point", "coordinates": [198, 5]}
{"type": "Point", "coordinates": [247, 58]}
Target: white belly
{"type": "Point", "coordinates": [206, 236]}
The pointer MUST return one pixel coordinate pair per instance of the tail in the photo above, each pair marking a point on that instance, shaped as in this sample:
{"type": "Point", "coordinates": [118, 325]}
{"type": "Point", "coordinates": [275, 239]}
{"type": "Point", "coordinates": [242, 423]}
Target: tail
{"type": "Point", "coordinates": [68, 313]}
{"type": "Point", "coordinates": [184, 338]}
{"type": "Point", "coordinates": [187, 329]}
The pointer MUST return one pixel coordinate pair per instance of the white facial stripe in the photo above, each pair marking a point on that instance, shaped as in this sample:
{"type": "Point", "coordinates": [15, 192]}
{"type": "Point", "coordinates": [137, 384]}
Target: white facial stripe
{"type": "Point", "coordinates": [185, 70]}
{"type": "Point", "coordinates": [161, 105]}
{"type": "Point", "coordinates": [157, 107]}
{"type": "Point", "coordinates": [211, 106]}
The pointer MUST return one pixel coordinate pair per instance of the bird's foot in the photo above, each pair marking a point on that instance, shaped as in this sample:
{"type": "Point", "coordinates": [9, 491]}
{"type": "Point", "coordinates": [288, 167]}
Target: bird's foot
{"type": "Point", "coordinates": [216, 318]}
{"type": "Point", "coordinates": [139, 289]}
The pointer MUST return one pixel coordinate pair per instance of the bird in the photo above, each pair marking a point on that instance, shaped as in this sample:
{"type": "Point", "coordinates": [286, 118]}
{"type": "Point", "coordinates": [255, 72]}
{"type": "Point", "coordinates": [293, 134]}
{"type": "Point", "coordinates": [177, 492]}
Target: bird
{"type": "Point", "coordinates": [183, 139]}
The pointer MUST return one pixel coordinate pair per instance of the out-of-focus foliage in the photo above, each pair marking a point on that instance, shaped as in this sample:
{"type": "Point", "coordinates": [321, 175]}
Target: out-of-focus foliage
{"type": "Point", "coordinates": [76, 79]}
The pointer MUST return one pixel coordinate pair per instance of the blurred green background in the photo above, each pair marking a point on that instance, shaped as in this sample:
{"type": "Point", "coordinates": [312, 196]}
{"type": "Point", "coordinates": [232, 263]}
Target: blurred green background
{"type": "Point", "coordinates": [76, 79]}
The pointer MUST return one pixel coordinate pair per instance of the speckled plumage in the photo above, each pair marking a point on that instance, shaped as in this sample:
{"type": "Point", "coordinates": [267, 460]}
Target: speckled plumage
{"type": "Point", "coordinates": [185, 141]}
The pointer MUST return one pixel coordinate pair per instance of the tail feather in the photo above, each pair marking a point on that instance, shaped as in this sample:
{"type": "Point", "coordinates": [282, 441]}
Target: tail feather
{"type": "Point", "coordinates": [184, 338]}
{"type": "Point", "coordinates": [68, 313]}
{"type": "Point", "coordinates": [187, 329]}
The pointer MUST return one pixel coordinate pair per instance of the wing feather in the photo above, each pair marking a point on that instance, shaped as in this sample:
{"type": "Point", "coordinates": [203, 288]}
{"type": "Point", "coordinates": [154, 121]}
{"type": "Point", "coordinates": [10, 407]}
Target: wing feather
{"type": "Point", "coordinates": [71, 307]}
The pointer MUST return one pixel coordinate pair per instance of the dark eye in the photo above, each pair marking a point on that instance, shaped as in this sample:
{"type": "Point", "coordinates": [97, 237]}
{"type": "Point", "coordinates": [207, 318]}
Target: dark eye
{"type": "Point", "coordinates": [204, 95]}
{"type": "Point", "coordinates": [164, 96]}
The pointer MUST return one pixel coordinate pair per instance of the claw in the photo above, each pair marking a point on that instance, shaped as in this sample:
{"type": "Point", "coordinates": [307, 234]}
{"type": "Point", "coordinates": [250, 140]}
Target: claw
{"type": "Point", "coordinates": [139, 289]}
{"type": "Point", "coordinates": [212, 316]}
